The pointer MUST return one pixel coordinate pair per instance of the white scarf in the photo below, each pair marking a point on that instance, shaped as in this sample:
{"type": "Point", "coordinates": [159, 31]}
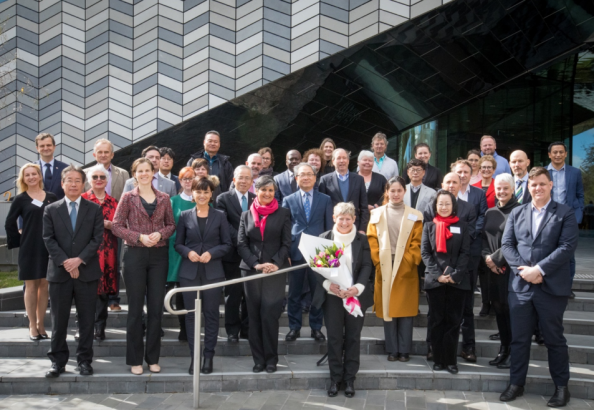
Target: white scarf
{"type": "Point", "coordinates": [346, 240]}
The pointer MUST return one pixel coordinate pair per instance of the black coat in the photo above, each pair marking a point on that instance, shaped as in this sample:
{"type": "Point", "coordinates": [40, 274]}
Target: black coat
{"type": "Point", "coordinates": [357, 195]}
{"type": "Point", "coordinates": [432, 177]}
{"type": "Point", "coordinates": [466, 213]}
{"type": "Point", "coordinates": [229, 204]}
{"type": "Point", "coordinates": [273, 249]}
{"type": "Point", "coordinates": [362, 272]}
{"type": "Point", "coordinates": [457, 256]}
{"type": "Point", "coordinates": [375, 192]}
{"type": "Point", "coordinates": [63, 243]}
{"type": "Point", "coordinates": [225, 173]}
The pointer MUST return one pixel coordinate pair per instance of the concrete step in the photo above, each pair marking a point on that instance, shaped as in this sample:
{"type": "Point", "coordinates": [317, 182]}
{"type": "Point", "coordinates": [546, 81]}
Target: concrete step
{"type": "Point", "coordinates": [15, 342]}
{"type": "Point", "coordinates": [112, 375]}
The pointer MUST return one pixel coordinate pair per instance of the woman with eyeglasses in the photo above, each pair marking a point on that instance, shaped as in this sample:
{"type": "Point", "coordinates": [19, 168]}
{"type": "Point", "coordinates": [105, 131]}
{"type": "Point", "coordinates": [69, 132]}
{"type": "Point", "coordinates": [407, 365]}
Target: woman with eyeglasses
{"type": "Point", "coordinates": [487, 166]}
{"type": "Point", "coordinates": [108, 284]}
{"type": "Point", "coordinates": [179, 203]}
{"type": "Point", "coordinates": [267, 161]}
{"type": "Point", "coordinates": [473, 157]}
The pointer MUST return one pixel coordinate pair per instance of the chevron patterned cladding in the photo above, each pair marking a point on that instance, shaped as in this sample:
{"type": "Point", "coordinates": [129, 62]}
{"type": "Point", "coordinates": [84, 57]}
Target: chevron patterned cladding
{"type": "Point", "coordinates": [125, 69]}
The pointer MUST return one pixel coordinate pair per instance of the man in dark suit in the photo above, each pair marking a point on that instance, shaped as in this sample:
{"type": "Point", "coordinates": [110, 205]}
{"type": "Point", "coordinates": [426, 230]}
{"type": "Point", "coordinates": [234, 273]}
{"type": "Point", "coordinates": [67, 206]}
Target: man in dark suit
{"type": "Point", "coordinates": [311, 213]}
{"type": "Point", "coordinates": [166, 164]}
{"type": "Point", "coordinates": [476, 197]}
{"type": "Point", "coordinates": [432, 177]}
{"type": "Point", "coordinates": [286, 180]}
{"type": "Point", "coordinates": [234, 202]}
{"type": "Point", "coordinates": [72, 232]}
{"type": "Point", "coordinates": [519, 163]}
{"type": "Point", "coordinates": [220, 165]}
{"type": "Point", "coordinates": [538, 242]}
{"type": "Point", "coordinates": [344, 186]}
{"type": "Point", "coordinates": [51, 168]}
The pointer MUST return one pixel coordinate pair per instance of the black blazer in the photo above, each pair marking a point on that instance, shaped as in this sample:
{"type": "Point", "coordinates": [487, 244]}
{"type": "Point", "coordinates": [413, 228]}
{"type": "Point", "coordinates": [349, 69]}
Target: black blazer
{"type": "Point", "coordinates": [362, 269]}
{"type": "Point", "coordinates": [357, 195]}
{"type": "Point", "coordinates": [63, 243]}
{"type": "Point", "coordinates": [375, 192]}
{"type": "Point", "coordinates": [229, 204]}
{"type": "Point", "coordinates": [457, 256]}
{"type": "Point", "coordinates": [216, 241]}
{"type": "Point", "coordinates": [466, 213]}
{"type": "Point", "coordinates": [273, 249]}
{"type": "Point", "coordinates": [432, 177]}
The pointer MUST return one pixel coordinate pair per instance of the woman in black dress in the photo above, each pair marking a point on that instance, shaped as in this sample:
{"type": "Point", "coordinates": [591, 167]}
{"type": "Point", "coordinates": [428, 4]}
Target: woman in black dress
{"type": "Point", "coordinates": [375, 183]}
{"type": "Point", "coordinates": [497, 276]}
{"type": "Point", "coordinates": [33, 257]}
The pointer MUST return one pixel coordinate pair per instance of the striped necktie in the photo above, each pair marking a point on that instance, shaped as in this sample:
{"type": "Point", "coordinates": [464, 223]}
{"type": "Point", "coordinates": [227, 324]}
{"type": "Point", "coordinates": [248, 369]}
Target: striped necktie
{"type": "Point", "coordinates": [519, 191]}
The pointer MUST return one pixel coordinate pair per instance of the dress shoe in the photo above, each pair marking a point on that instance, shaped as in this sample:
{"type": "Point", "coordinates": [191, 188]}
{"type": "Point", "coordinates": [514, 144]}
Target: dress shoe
{"type": "Point", "coordinates": [392, 357]}
{"type": "Point", "coordinates": [560, 398]}
{"type": "Point", "coordinates": [318, 335]}
{"type": "Point", "coordinates": [572, 296]}
{"type": "Point", "coordinates": [501, 356]}
{"type": "Point", "coordinates": [271, 368]}
{"type": "Point", "coordinates": [292, 335]}
{"type": "Point", "coordinates": [114, 307]}
{"type": "Point", "coordinates": [333, 390]}
{"type": "Point", "coordinates": [539, 340]}
{"type": "Point", "coordinates": [233, 339]}
{"type": "Point", "coordinates": [495, 336]}
{"type": "Point", "coordinates": [137, 370]}
{"type": "Point", "coordinates": [258, 368]}
{"type": "Point", "coordinates": [429, 353]}
{"type": "Point", "coordinates": [54, 371]}
{"type": "Point", "coordinates": [99, 334]}
{"type": "Point", "coordinates": [43, 335]}
{"type": "Point", "coordinates": [154, 368]}
{"type": "Point", "coordinates": [206, 365]}
{"type": "Point", "coordinates": [437, 367]}
{"type": "Point", "coordinates": [183, 335]}
{"type": "Point", "coordinates": [452, 368]}
{"type": "Point", "coordinates": [485, 310]}
{"type": "Point", "coordinates": [404, 357]}
{"type": "Point", "coordinates": [162, 333]}
{"type": "Point", "coordinates": [35, 338]}
{"type": "Point", "coordinates": [85, 369]}
{"type": "Point", "coordinates": [191, 369]}
{"type": "Point", "coordinates": [469, 355]}
{"type": "Point", "coordinates": [505, 364]}
{"type": "Point", "coordinates": [349, 389]}
{"type": "Point", "coordinates": [77, 335]}
{"type": "Point", "coordinates": [512, 392]}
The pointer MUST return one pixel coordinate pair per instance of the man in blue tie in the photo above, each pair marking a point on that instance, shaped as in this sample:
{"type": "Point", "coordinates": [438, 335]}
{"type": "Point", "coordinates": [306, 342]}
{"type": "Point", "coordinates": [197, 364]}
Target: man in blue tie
{"type": "Point", "coordinates": [311, 213]}
{"type": "Point", "coordinates": [50, 167]}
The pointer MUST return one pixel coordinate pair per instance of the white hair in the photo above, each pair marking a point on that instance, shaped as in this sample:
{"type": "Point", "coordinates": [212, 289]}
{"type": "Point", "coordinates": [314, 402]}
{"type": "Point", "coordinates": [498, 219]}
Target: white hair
{"type": "Point", "coordinates": [344, 208]}
{"type": "Point", "coordinates": [335, 153]}
{"type": "Point", "coordinates": [252, 156]}
{"type": "Point", "coordinates": [505, 178]}
{"type": "Point", "coordinates": [365, 154]}
{"type": "Point", "coordinates": [241, 168]}
{"type": "Point", "coordinates": [298, 167]}
{"type": "Point", "coordinates": [96, 168]}
{"type": "Point", "coordinates": [103, 141]}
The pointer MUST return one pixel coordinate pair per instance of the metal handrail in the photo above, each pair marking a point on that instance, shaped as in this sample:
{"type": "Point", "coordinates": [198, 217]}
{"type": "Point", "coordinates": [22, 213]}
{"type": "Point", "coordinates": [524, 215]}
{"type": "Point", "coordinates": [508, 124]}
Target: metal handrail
{"type": "Point", "coordinates": [198, 313]}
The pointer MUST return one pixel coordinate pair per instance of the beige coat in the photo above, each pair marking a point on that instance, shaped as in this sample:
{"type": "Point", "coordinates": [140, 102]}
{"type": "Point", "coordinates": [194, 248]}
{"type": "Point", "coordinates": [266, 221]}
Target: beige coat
{"type": "Point", "coordinates": [396, 285]}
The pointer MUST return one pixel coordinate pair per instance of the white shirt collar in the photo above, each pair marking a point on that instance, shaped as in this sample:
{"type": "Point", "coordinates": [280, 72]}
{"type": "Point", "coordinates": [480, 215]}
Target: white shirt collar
{"type": "Point", "coordinates": [51, 163]}
{"type": "Point", "coordinates": [310, 192]}
{"type": "Point", "coordinates": [240, 195]}
{"type": "Point", "coordinates": [168, 176]}
{"type": "Point", "coordinates": [523, 179]}
{"type": "Point", "coordinates": [186, 197]}
{"type": "Point", "coordinates": [68, 201]}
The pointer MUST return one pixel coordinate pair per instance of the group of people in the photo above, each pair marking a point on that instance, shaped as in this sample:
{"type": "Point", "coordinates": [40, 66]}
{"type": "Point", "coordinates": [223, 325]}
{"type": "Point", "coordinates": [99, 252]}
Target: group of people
{"type": "Point", "coordinates": [487, 221]}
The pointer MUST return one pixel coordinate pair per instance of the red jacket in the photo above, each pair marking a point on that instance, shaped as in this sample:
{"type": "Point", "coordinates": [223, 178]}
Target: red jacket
{"type": "Point", "coordinates": [491, 200]}
{"type": "Point", "coordinates": [131, 220]}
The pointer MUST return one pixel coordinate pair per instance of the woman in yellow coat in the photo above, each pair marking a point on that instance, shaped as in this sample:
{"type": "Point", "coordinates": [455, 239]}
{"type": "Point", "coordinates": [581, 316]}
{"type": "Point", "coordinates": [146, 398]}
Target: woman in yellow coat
{"type": "Point", "coordinates": [394, 234]}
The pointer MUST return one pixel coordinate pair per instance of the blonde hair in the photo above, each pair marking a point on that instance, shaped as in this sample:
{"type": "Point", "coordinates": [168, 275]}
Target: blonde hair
{"type": "Point", "coordinates": [21, 184]}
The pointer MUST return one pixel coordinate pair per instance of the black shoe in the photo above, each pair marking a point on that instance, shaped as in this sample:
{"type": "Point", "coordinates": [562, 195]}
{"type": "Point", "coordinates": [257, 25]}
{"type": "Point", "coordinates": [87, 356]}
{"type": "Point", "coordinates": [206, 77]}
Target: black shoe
{"type": "Point", "coordinates": [485, 310]}
{"type": "Point", "coordinates": [560, 398]}
{"type": "Point", "coordinates": [191, 369]}
{"type": "Point", "coordinates": [99, 335]}
{"type": "Point", "coordinates": [206, 365]}
{"type": "Point", "coordinates": [505, 364]}
{"type": "Point", "coordinates": [244, 335]}
{"type": "Point", "coordinates": [511, 393]}
{"type": "Point", "coordinates": [501, 356]}
{"type": "Point", "coordinates": [333, 390]}
{"type": "Point", "coordinates": [572, 296]}
{"type": "Point", "coordinates": [55, 371]}
{"type": "Point", "coordinates": [429, 353]}
{"type": "Point", "coordinates": [318, 335]}
{"type": "Point", "coordinates": [469, 355]}
{"type": "Point", "coordinates": [293, 335]}
{"type": "Point", "coordinates": [233, 339]}
{"type": "Point", "coordinates": [539, 340]}
{"type": "Point", "coordinates": [183, 335]}
{"type": "Point", "coordinates": [392, 357]}
{"type": "Point", "coordinates": [452, 368]}
{"type": "Point", "coordinates": [258, 368]}
{"type": "Point", "coordinates": [271, 368]}
{"type": "Point", "coordinates": [437, 367]}
{"type": "Point", "coordinates": [404, 357]}
{"type": "Point", "coordinates": [349, 390]}
{"type": "Point", "coordinates": [85, 369]}
{"type": "Point", "coordinates": [77, 335]}
{"type": "Point", "coordinates": [162, 333]}
{"type": "Point", "coordinates": [35, 338]}
{"type": "Point", "coordinates": [495, 336]}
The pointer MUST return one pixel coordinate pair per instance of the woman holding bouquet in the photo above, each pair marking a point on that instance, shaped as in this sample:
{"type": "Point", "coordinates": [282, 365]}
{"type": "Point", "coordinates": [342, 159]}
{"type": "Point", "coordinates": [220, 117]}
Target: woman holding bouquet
{"type": "Point", "coordinates": [445, 250]}
{"type": "Point", "coordinates": [396, 253]}
{"type": "Point", "coordinates": [344, 330]}
{"type": "Point", "coordinates": [263, 242]}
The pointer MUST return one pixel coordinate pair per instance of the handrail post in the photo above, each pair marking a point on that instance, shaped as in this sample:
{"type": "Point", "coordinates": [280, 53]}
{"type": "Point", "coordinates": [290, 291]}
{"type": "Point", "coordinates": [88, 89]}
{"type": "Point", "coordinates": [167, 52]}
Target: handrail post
{"type": "Point", "coordinates": [197, 336]}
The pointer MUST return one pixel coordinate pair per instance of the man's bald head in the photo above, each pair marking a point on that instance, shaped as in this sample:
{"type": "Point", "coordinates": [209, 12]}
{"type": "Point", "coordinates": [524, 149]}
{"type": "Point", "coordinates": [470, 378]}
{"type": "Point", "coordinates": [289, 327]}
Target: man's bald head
{"type": "Point", "coordinates": [451, 182]}
{"type": "Point", "coordinates": [519, 163]}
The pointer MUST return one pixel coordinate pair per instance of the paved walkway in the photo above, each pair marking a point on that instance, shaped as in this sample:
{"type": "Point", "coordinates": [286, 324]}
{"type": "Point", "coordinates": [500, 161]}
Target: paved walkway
{"type": "Point", "coordinates": [288, 400]}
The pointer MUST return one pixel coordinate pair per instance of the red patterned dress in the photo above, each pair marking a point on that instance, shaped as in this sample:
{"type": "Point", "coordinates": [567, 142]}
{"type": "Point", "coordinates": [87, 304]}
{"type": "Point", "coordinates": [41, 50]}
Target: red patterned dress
{"type": "Point", "coordinates": [108, 250]}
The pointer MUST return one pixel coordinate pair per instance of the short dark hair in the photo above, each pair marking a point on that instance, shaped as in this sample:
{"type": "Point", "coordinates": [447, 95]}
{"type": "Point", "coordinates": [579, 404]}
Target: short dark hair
{"type": "Point", "coordinates": [420, 145]}
{"type": "Point", "coordinates": [265, 180]}
{"type": "Point", "coordinates": [473, 151]}
{"type": "Point", "coordinates": [537, 171]}
{"type": "Point", "coordinates": [167, 151]}
{"type": "Point", "coordinates": [201, 184]}
{"type": "Point", "coordinates": [213, 132]}
{"type": "Point", "coordinates": [394, 180]}
{"type": "Point", "coordinates": [452, 197]}
{"type": "Point", "coordinates": [552, 144]}
{"type": "Point", "coordinates": [149, 148]}
{"type": "Point", "coordinates": [74, 168]}
{"type": "Point", "coordinates": [201, 163]}
{"type": "Point", "coordinates": [416, 163]}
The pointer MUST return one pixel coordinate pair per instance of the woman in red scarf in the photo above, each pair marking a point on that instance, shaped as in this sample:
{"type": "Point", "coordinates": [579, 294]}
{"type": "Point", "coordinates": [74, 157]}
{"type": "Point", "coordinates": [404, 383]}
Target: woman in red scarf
{"type": "Point", "coordinates": [445, 251]}
{"type": "Point", "coordinates": [263, 242]}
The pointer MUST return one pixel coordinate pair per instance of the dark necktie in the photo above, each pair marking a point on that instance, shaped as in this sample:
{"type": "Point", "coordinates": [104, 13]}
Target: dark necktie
{"type": "Point", "coordinates": [73, 215]}
{"type": "Point", "coordinates": [47, 178]}
{"type": "Point", "coordinates": [293, 183]}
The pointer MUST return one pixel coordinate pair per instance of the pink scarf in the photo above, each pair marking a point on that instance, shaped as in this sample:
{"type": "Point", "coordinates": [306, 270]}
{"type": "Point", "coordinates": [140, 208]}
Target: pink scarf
{"type": "Point", "coordinates": [262, 210]}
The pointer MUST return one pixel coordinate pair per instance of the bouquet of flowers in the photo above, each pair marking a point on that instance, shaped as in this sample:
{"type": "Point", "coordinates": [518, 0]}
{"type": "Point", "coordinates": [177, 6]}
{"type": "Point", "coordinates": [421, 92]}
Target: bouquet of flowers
{"type": "Point", "coordinates": [328, 257]}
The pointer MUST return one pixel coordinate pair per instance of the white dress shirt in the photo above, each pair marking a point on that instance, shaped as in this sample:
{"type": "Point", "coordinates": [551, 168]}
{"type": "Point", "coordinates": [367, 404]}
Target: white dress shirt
{"type": "Point", "coordinates": [240, 196]}
{"type": "Point", "coordinates": [44, 168]}
{"type": "Point", "coordinates": [537, 217]}
{"type": "Point", "coordinates": [68, 201]}
{"type": "Point", "coordinates": [464, 195]}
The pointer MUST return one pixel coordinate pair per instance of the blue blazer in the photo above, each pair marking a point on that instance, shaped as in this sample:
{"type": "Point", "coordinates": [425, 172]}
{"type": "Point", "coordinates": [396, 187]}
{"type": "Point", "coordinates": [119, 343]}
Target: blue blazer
{"type": "Point", "coordinates": [56, 187]}
{"type": "Point", "coordinates": [283, 180]}
{"type": "Point", "coordinates": [574, 191]}
{"type": "Point", "coordinates": [320, 218]}
{"type": "Point", "coordinates": [477, 198]}
{"type": "Point", "coordinates": [178, 186]}
{"type": "Point", "coordinates": [216, 240]}
{"type": "Point", "coordinates": [551, 247]}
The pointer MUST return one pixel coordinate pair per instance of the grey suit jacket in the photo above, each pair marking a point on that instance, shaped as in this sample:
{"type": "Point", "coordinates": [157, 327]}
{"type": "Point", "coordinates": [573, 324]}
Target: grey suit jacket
{"type": "Point", "coordinates": [426, 197]}
{"type": "Point", "coordinates": [119, 176]}
{"type": "Point", "coordinates": [166, 186]}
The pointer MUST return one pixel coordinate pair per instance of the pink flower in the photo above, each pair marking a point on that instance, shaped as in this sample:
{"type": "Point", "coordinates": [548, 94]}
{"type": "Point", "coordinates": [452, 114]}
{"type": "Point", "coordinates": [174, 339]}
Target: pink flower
{"type": "Point", "coordinates": [339, 253]}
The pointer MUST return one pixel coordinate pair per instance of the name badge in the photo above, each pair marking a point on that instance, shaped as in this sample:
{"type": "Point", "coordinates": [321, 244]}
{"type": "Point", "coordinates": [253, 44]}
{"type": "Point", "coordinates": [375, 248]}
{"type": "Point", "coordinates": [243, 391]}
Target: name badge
{"type": "Point", "coordinates": [412, 217]}
{"type": "Point", "coordinates": [454, 229]}
{"type": "Point", "coordinates": [37, 202]}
